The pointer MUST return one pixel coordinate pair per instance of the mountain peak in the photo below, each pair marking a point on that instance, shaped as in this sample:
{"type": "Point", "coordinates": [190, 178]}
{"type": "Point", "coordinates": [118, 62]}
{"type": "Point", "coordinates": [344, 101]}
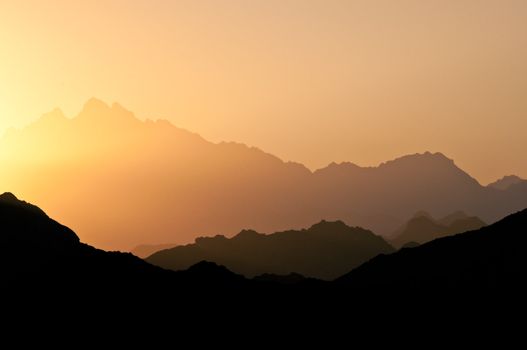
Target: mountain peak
{"type": "Point", "coordinates": [329, 225]}
{"type": "Point", "coordinates": [8, 197]}
{"type": "Point", "coordinates": [97, 111]}
{"type": "Point", "coordinates": [427, 156]}
{"type": "Point", "coordinates": [94, 105]}
{"type": "Point", "coordinates": [505, 182]}
{"type": "Point", "coordinates": [247, 234]}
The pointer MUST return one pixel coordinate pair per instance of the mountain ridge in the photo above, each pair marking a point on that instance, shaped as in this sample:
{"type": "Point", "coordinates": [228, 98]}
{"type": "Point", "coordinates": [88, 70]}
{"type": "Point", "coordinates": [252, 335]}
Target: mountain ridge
{"type": "Point", "coordinates": [487, 260]}
{"type": "Point", "coordinates": [175, 185]}
{"type": "Point", "coordinates": [506, 182]}
{"type": "Point", "coordinates": [325, 250]}
{"type": "Point", "coordinates": [422, 227]}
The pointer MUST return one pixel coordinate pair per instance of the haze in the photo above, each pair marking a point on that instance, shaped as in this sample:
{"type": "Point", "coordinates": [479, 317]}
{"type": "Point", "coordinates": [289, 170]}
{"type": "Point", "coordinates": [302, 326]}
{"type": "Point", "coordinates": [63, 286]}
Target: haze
{"type": "Point", "coordinates": [309, 81]}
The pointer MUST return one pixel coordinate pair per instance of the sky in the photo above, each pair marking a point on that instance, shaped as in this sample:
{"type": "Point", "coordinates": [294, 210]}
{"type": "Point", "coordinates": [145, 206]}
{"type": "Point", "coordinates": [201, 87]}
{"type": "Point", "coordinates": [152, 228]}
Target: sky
{"type": "Point", "coordinates": [309, 81]}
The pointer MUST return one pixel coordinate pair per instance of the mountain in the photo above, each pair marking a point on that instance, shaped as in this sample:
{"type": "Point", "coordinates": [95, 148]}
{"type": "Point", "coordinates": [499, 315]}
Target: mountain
{"type": "Point", "coordinates": [46, 271]}
{"type": "Point", "coordinates": [506, 182]}
{"type": "Point", "coordinates": [491, 259]}
{"type": "Point", "coordinates": [145, 250]}
{"type": "Point", "coordinates": [424, 228]}
{"type": "Point", "coordinates": [326, 250]}
{"type": "Point", "coordinates": [120, 182]}
{"type": "Point", "coordinates": [38, 251]}
{"type": "Point", "coordinates": [453, 217]}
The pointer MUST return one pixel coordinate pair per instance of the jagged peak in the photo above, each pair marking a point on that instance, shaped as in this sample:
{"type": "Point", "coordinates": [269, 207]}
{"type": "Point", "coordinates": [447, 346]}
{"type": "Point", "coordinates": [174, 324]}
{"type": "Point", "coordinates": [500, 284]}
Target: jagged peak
{"type": "Point", "coordinates": [248, 233]}
{"type": "Point", "coordinates": [94, 105]}
{"type": "Point", "coordinates": [11, 200]}
{"type": "Point", "coordinates": [8, 197]}
{"type": "Point", "coordinates": [96, 111]}
{"type": "Point", "coordinates": [427, 156]}
{"type": "Point", "coordinates": [328, 225]}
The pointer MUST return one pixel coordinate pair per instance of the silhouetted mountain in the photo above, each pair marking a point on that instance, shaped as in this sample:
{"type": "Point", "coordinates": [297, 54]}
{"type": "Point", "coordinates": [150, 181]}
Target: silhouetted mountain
{"type": "Point", "coordinates": [119, 182]}
{"type": "Point", "coordinates": [489, 259]}
{"type": "Point", "coordinates": [326, 250]}
{"type": "Point", "coordinates": [145, 250]}
{"type": "Point", "coordinates": [424, 228]}
{"type": "Point", "coordinates": [36, 249]}
{"type": "Point", "coordinates": [506, 182]}
{"type": "Point", "coordinates": [47, 271]}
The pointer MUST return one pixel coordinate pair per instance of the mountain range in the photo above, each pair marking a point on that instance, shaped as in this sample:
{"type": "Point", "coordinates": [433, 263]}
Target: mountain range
{"type": "Point", "coordinates": [488, 261]}
{"type": "Point", "coordinates": [120, 182]}
{"type": "Point", "coordinates": [507, 182]}
{"type": "Point", "coordinates": [422, 228]}
{"type": "Point", "coordinates": [326, 250]}
{"type": "Point", "coordinates": [39, 255]}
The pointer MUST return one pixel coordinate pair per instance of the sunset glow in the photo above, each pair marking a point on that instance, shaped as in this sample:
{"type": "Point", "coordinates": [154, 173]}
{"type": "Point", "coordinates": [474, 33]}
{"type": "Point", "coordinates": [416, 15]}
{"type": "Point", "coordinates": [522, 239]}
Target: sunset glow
{"type": "Point", "coordinates": [309, 81]}
{"type": "Point", "coordinates": [290, 166]}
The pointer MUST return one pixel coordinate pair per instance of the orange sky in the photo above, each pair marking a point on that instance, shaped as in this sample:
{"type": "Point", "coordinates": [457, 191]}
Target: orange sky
{"type": "Point", "coordinates": [310, 81]}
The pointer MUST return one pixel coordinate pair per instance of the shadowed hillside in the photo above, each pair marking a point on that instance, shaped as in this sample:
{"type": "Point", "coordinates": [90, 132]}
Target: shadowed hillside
{"type": "Point", "coordinates": [491, 259]}
{"type": "Point", "coordinates": [120, 182]}
{"type": "Point", "coordinates": [37, 251]}
{"type": "Point", "coordinates": [145, 250]}
{"type": "Point", "coordinates": [44, 265]}
{"type": "Point", "coordinates": [325, 250]}
{"type": "Point", "coordinates": [424, 228]}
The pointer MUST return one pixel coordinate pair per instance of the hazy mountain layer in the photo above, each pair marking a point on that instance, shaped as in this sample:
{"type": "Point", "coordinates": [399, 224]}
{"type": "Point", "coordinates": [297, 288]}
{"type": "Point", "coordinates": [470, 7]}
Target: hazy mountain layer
{"type": "Point", "coordinates": [424, 228]}
{"type": "Point", "coordinates": [121, 182]}
{"type": "Point", "coordinates": [326, 250]}
{"type": "Point", "coordinates": [507, 182]}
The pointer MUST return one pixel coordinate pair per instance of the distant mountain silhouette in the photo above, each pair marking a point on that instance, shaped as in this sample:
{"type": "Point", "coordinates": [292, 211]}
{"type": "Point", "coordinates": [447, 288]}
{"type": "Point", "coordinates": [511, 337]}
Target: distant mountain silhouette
{"type": "Point", "coordinates": [326, 250]}
{"type": "Point", "coordinates": [120, 182]}
{"type": "Point", "coordinates": [423, 228]}
{"type": "Point", "coordinates": [506, 182]}
{"type": "Point", "coordinates": [489, 259]}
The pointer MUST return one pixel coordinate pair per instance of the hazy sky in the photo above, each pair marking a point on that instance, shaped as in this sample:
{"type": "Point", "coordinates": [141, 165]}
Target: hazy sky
{"type": "Point", "coordinates": [310, 81]}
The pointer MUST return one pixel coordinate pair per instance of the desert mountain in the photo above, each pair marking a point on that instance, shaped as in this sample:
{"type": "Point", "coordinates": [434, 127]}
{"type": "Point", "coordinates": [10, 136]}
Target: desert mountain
{"type": "Point", "coordinates": [39, 252]}
{"type": "Point", "coordinates": [145, 250]}
{"type": "Point", "coordinates": [506, 182]}
{"type": "Point", "coordinates": [489, 259]}
{"type": "Point", "coordinates": [424, 228]}
{"type": "Point", "coordinates": [326, 250]}
{"type": "Point", "coordinates": [119, 182]}
{"type": "Point", "coordinates": [46, 268]}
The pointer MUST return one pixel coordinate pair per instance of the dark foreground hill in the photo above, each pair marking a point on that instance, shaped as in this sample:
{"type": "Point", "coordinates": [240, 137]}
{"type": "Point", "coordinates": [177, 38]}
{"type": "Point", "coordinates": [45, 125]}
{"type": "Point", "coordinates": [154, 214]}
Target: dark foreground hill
{"type": "Point", "coordinates": [36, 251]}
{"type": "Point", "coordinates": [489, 260]}
{"type": "Point", "coordinates": [326, 250]}
{"type": "Point", "coordinates": [52, 282]}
